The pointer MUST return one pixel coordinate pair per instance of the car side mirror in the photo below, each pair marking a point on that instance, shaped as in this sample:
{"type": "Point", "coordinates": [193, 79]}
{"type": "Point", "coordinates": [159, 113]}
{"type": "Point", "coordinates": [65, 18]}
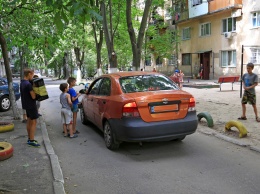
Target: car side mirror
{"type": "Point", "coordinates": [83, 91]}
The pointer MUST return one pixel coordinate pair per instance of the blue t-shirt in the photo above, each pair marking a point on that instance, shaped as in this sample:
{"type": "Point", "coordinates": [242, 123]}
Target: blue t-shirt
{"type": "Point", "coordinates": [73, 93]}
{"type": "Point", "coordinates": [26, 98]}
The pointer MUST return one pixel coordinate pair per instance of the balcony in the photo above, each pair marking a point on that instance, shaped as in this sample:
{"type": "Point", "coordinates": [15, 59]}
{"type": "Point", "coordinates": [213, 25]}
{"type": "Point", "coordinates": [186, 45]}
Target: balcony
{"type": "Point", "coordinates": [219, 5]}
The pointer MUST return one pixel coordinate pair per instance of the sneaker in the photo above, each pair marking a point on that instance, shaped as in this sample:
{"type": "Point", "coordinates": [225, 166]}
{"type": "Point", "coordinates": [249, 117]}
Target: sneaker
{"type": "Point", "coordinates": [77, 132]}
{"type": "Point", "coordinates": [74, 136]}
{"type": "Point", "coordinates": [33, 143]}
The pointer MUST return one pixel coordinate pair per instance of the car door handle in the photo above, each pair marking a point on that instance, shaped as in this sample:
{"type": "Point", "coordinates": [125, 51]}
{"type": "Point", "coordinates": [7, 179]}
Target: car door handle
{"type": "Point", "coordinates": [104, 102]}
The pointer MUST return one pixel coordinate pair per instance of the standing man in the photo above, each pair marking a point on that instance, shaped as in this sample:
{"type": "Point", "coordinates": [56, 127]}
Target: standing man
{"type": "Point", "coordinates": [28, 98]}
{"type": "Point", "coordinates": [250, 81]}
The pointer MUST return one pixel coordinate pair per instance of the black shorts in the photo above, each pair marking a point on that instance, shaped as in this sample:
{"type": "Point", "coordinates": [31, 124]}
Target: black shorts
{"type": "Point", "coordinates": [32, 113]}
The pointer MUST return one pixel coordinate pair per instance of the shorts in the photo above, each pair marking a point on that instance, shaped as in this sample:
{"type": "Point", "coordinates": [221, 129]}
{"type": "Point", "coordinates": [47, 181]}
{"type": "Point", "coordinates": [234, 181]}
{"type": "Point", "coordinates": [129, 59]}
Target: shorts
{"type": "Point", "coordinates": [66, 116]}
{"type": "Point", "coordinates": [75, 108]}
{"type": "Point", "coordinates": [248, 97]}
{"type": "Point", "coordinates": [32, 113]}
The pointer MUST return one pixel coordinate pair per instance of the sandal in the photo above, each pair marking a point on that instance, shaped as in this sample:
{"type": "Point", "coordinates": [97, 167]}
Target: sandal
{"type": "Point", "coordinates": [242, 118]}
{"type": "Point", "coordinates": [257, 119]}
{"type": "Point", "coordinates": [74, 136]}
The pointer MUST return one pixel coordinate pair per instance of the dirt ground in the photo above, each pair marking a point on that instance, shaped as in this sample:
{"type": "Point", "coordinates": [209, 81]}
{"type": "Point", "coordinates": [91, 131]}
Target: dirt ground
{"type": "Point", "coordinates": [224, 106]}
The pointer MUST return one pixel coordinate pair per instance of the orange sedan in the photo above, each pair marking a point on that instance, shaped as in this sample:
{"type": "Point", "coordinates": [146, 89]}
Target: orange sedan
{"type": "Point", "coordinates": [138, 106]}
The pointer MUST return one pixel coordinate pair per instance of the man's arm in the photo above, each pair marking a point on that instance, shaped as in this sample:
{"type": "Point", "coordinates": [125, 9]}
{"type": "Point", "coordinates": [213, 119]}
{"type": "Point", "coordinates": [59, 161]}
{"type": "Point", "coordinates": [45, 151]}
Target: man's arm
{"type": "Point", "coordinates": [33, 95]}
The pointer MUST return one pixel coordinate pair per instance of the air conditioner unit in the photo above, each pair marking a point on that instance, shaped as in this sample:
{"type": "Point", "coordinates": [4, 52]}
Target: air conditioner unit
{"type": "Point", "coordinates": [228, 35]}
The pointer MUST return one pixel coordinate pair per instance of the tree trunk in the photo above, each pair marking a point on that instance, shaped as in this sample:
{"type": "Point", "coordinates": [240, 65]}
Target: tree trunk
{"type": "Point", "coordinates": [9, 77]}
{"type": "Point", "coordinates": [137, 44]}
{"type": "Point", "coordinates": [66, 73]}
{"type": "Point", "coordinates": [109, 36]}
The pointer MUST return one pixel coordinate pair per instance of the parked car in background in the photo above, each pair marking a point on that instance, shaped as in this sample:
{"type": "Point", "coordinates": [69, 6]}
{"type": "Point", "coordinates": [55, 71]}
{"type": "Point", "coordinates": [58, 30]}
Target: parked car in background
{"type": "Point", "coordinates": [138, 107]}
{"type": "Point", "coordinates": [15, 75]}
{"type": "Point", "coordinates": [5, 103]}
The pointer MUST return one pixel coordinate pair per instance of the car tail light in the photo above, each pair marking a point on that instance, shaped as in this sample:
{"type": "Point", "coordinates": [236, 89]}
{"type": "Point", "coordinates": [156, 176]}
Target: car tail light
{"type": "Point", "coordinates": [191, 105]}
{"type": "Point", "coordinates": [130, 110]}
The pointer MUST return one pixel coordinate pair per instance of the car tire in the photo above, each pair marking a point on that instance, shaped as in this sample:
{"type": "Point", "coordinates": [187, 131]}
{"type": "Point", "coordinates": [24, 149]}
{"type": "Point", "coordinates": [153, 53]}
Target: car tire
{"type": "Point", "coordinates": [83, 118]}
{"type": "Point", "coordinates": [179, 139]}
{"type": "Point", "coordinates": [5, 103]}
{"type": "Point", "coordinates": [5, 126]}
{"type": "Point", "coordinates": [109, 137]}
{"type": "Point", "coordinates": [6, 150]}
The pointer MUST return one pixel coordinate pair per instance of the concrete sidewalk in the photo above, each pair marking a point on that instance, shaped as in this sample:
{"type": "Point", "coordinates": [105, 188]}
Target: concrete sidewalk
{"type": "Point", "coordinates": [29, 170]}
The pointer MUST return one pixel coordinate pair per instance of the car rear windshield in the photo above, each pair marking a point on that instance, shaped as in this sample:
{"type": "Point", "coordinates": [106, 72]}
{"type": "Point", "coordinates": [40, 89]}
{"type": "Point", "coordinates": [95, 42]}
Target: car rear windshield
{"type": "Point", "coordinates": [142, 83]}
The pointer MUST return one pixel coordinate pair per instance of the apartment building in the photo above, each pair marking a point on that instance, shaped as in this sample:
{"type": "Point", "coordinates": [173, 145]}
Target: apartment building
{"type": "Point", "coordinates": [223, 35]}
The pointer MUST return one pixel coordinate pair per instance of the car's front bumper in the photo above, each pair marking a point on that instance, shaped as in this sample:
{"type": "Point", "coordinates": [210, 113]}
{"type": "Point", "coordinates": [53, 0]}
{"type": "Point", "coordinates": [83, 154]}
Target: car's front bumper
{"type": "Point", "coordinates": [135, 129]}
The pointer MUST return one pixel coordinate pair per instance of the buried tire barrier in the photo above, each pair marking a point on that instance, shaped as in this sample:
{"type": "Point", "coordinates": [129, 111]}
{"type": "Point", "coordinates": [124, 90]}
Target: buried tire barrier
{"type": "Point", "coordinates": [241, 128]}
{"type": "Point", "coordinates": [207, 116]}
{"type": "Point", "coordinates": [6, 150]}
{"type": "Point", "coordinates": [5, 126]}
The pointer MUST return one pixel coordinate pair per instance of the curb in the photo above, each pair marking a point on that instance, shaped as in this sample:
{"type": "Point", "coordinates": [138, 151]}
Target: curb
{"type": "Point", "coordinates": [58, 182]}
{"type": "Point", "coordinates": [230, 139]}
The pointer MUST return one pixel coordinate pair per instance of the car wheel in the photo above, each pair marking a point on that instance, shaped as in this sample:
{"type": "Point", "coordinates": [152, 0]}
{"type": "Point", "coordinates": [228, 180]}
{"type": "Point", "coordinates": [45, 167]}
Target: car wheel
{"type": "Point", "coordinates": [83, 118]}
{"type": "Point", "coordinates": [181, 138]}
{"type": "Point", "coordinates": [109, 137]}
{"type": "Point", "coordinates": [5, 103]}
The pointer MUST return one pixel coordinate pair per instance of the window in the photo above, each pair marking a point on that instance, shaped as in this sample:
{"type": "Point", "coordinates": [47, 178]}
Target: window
{"type": "Point", "coordinates": [94, 89]}
{"type": "Point", "coordinates": [186, 59]}
{"type": "Point", "coordinates": [143, 83]}
{"type": "Point", "coordinates": [228, 59]}
{"type": "Point", "coordinates": [205, 29]}
{"type": "Point", "coordinates": [159, 61]}
{"type": "Point", "coordinates": [196, 2]}
{"type": "Point", "coordinates": [148, 61]}
{"type": "Point", "coordinates": [172, 60]}
{"type": "Point", "coordinates": [256, 19]}
{"type": "Point", "coordinates": [229, 25]}
{"type": "Point", "coordinates": [185, 33]}
{"type": "Point", "coordinates": [105, 87]}
{"type": "Point", "coordinates": [255, 55]}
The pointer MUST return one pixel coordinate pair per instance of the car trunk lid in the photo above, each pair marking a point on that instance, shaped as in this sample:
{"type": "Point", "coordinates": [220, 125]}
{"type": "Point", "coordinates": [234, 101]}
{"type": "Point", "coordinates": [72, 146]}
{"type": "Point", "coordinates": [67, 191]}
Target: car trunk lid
{"type": "Point", "coordinates": [162, 105]}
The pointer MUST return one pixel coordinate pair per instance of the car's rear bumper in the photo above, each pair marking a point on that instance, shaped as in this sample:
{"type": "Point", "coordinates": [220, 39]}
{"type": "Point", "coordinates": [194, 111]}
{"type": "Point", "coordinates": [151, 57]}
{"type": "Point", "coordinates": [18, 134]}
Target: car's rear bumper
{"type": "Point", "coordinates": [135, 129]}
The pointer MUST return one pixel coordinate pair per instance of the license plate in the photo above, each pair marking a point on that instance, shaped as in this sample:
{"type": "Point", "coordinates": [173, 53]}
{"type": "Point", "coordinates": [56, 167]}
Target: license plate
{"type": "Point", "coordinates": [164, 108]}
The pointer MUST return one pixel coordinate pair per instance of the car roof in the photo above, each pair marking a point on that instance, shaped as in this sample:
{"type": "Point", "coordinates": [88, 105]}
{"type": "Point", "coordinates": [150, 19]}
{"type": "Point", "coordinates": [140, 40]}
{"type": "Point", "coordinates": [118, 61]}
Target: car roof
{"type": "Point", "coordinates": [131, 73]}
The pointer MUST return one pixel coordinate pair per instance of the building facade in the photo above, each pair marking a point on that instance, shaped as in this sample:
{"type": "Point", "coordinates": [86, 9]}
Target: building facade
{"type": "Point", "coordinates": [223, 35]}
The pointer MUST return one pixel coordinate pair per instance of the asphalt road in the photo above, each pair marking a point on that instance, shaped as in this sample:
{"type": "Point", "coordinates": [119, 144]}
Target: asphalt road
{"type": "Point", "coordinates": [199, 164]}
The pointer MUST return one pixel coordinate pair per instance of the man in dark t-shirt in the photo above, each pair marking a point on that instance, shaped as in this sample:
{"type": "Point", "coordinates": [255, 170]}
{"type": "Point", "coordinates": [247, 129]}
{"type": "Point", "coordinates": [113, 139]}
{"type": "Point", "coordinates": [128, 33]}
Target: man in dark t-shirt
{"type": "Point", "coordinates": [28, 98]}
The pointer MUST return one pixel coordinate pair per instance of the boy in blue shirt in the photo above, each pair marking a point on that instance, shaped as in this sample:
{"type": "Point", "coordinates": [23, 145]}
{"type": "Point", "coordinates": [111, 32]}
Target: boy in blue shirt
{"type": "Point", "coordinates": [74, 98]}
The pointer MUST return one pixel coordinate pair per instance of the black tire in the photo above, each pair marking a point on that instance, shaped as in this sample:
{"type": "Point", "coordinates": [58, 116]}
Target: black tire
{"type": "Point", "coordinates": [109, 137]}
{"type": "Point", "coordinates": [83, 118]}
{"type": "Point", "coordinates": [180, 138]}
{"type": "Point", "coordinates": [5, 103]}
